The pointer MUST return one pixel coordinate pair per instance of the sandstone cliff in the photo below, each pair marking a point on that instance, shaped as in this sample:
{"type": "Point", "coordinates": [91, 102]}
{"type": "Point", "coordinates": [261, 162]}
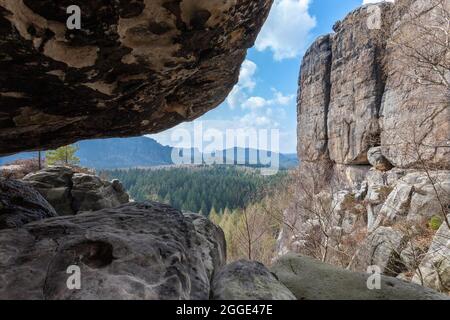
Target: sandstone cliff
{"type": "Point", "coordinates": [357, 92]}
{"type": "Point", "coordinates": [374, 140]}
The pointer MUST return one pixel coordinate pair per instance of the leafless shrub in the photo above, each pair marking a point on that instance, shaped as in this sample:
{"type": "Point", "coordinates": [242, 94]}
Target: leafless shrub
{"type": "Point", "coordinates": [20, 168]}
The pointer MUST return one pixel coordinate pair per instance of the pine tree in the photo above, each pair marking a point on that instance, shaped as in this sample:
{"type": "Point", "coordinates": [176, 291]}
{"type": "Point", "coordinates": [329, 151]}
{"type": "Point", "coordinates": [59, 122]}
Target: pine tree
{"type": "Point", "coordinates": [204, 209]}
{"type": "Point", "coordinates": [63, 156]}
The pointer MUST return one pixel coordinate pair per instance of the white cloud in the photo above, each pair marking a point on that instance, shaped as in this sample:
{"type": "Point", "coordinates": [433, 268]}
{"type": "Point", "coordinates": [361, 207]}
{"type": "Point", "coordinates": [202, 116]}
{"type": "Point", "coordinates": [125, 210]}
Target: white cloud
{"type": "Point", "coordinates": [240, 95]}
{"type": "Point", "coordinates": [254, 103]}
{"type": "Point", "coordinates": [246, 82]}
{"type": "Point", "coordinates": [236, 97]}
{"type": "Point", "coordinates": [248, 70]}
{"type": "Point", "coordinates": [287, 28]}
{"type": "Point", "coordinates": [281, 99]}
{"type": "Point", "coordinates": [254, 111]}
{"type": "Point", "coordinates": [278, 99]}
{"type": "Point", "coordinates": [253, 120]}
{"type": "Point", "coordinates": [260, 113]}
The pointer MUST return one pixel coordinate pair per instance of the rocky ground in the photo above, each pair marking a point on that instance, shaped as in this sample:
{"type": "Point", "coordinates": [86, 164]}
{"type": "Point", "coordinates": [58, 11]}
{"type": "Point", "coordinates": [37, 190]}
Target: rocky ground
{"type": "Point", "coordinates": [146, 251]}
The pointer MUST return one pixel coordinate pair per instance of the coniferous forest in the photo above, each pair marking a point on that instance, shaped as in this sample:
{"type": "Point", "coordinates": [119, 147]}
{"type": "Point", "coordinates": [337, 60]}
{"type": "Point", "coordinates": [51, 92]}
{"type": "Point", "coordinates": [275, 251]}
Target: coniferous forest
{"type": "Point", "coordinates": [198, 189]}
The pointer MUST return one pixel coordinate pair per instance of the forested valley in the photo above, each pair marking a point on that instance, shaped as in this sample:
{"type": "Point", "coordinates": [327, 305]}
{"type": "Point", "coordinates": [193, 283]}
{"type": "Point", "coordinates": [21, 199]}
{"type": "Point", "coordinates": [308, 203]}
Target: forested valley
{"type": "Point", "coordinates": [200, 189]}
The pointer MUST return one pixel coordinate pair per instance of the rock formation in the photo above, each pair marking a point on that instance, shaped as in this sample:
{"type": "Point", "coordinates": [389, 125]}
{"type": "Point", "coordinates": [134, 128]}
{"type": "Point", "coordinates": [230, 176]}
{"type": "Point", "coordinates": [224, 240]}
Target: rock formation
{"type": "Point", "coordinates": [374, 139]}
{"type": "Point", "coordinates": [310, 279]}
{"type": "Point", "coordinates": [353, 97]}
{"type": "Point", "coordinates": [434, 269]}
{"type": "Point", "coordinates": [378, 139]}
{"type": "Point", "coordinates": [20, 204]}
{"type": "Point", "coordinates": [70, 192]}
{"type": "Point", "coordinates": [152, 251]}
{"type": "Point", "coordinates": [134, 251]}
{"type": "Point", "coordinates": [134, 67]}
{"type": "Point", "coordinates": [248, 280]}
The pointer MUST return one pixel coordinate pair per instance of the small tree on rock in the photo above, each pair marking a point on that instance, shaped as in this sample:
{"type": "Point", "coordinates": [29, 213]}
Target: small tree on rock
{"type": "Point", "coordinates": [63, 156]}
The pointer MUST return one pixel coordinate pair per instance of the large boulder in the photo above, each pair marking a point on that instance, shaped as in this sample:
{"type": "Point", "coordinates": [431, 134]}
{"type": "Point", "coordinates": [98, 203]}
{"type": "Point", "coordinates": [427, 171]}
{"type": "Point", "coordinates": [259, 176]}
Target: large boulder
{"type": "Point", "coordinates": [55, 185]}
{"type": "Point", "coordinates": [134, 67]}
{"type": "Point", "coordinates": [431, 194]}
{"type": "Point", "coordinates": [212, 246]}
{"type": "Point", "coordinates": [70, 192]}
{"type": "Point", "coordinates": [377, 160]}
{"type": "Point", "coordinates": [135, 251]}
{"type": "Point", "coordinates": [309, 279]}
{"type": "Point", "coordinates": [21, 204]}
{"type": "Point", "coordinates": [434, 269]}
{"type": "Point", "coordinates": [90, 193]}
{"type": "Point", "coordinates": [382, 248]}
{"type": "Point", "coordinates": [417, 196]}
{"type": "Point", "coordinates": [248, 280]}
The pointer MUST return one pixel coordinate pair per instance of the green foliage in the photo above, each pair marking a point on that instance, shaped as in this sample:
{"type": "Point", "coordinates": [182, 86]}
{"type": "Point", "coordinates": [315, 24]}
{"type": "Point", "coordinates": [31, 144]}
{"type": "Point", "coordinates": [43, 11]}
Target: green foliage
{"type": "Point", "coordinates": [197, 189]}
{"type": "Point", "coordinates": [63, 155]}
{"type": "Point", "coordinates": [435, 222]}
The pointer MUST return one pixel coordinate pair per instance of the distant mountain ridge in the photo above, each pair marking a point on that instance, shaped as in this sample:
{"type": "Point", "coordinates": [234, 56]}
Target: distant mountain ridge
{"type": "Point", "coordinates": [121, 153]}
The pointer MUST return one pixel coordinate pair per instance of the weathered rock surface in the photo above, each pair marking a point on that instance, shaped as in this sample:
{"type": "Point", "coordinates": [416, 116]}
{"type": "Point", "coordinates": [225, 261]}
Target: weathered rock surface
{"type": "Point", "coordinates": [434, 269]}
{"type": "Point", "coordinates": [384, 221]}
{"type": "Point", "coordinates": [360, 88]}
{"type": "Point", "coordinates": [135, 251]}
{"type": "Point", "coordinates": [374, 128]}
{"type": "Point", "coordinates": [20, 204]}
{"type": "Point", "coordinates": [416, 196]}
{"type": "Point", "coordinates": [377, 160]}
{"type": "Point", "coordinates": [90, 193]}
{"type": "Point", "coordinates": [357, 85]}
{"type": "Point", "coordinates": [248, 280]}
{"type": "Point", "coordinates": [415, 117]}
{"type": "Point", "coordinates": [212, 246]}
{"type": "Point", "coordinates": [69, 192]}
{"type": "Point", "coordinates": [313, 101]}
{"type": "Point", "coordinates": [382, 248]}
{"type": "Point", "coordinates": [135, 67]}
{"type": "Point", "coordinates": [309, 279]}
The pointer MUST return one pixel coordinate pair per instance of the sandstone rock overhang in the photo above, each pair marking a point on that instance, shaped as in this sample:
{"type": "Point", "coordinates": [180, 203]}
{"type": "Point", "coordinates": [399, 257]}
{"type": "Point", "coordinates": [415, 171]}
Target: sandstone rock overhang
{"type": "Point", "coordinates": [134, 67]}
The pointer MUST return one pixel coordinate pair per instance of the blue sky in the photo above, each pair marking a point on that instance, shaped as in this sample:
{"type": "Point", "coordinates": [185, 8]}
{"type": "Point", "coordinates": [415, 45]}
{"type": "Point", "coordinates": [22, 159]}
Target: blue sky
{"type": "Point", "coordinates": [265, 96]}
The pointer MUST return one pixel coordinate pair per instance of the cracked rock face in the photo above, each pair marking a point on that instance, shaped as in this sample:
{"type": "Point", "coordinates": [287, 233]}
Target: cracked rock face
{"type": "Point", "coordinates": [135, 251]}
{"type": "Point", "coordinates": [70, 193]}
{"type": "Point", "coordinates": [360, 88]}
{"type": "Point", "coordinates": [135, 67]}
